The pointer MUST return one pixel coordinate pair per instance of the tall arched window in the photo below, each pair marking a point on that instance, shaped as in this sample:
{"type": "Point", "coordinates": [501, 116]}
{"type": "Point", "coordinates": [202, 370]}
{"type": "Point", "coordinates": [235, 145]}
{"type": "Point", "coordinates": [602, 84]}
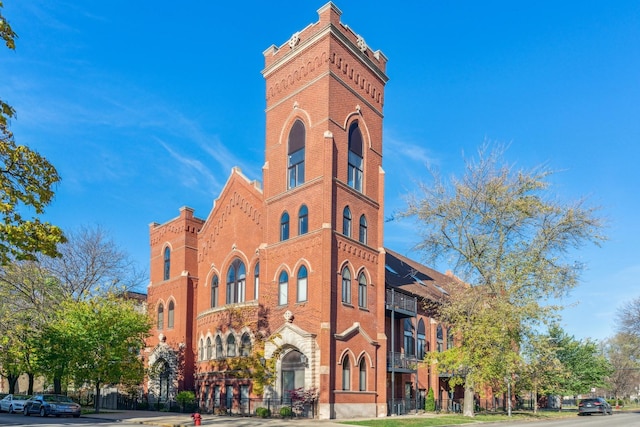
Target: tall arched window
{"type": "Point", "coordinates": [362, 236]}
{"type": "Point", "coordinates": [231, 346]}
{"type": "Point", "coordinates": [283, 288]}
{"type": "Point", "coordinates": [355, 168]}
{"type": "Point", "coordinates": [421, 340]}
{"type": "Point", "coordinates": [346, 373]}
{"type": "Point", "coordinates": [363, 375]}
{"type": "Point", "coordinates": [409, 340]}
{"type": "Point", "coordinates": [449, 338]}
{"type": "Point", "coordinates": [439, 338]}
{"type": "Point", "coordinates": [245, 345]}
{"type": "Point", "coordinates": [201, 350]}
{"type": "Point", "coordinates": [346, 221]}
{"type": "Point", "coordinates": [296, 154]}
{"type": "Point", "coordinates": [170, 315]}
{"type": "Point", "coordinates": [236, 282]}
{"type": "Point", "coordinates": [160, 317]}
{"type": "Point", "coordinates": [256, 280]}
{"type": "Point", "coordinates": [215, 290]}
{"type": "Point", "coordinates": [209, 349]}
{"type": "Point", "coordinates": [219, 350]}
{"type": "Point", "coordinates": [167, 263]}
{"type": "Point", "coordinates": [303, 220]}
{"type": "Point", "coordinates": [346, 285]}
{"type": "Point", "coordinates": [362, 291]}
{"type": "Point", "coordinates": [302, 284]}
{"type": "Point", "coordinates": [284, 227]}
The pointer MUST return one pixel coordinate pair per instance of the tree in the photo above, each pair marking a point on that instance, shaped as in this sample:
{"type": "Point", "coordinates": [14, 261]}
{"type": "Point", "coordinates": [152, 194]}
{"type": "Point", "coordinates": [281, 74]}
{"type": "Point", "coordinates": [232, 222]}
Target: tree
{"type": "Point", "coordinates": [510, 242]}
{"type": "Point", "coordinates": [628, 318]}
{"type": "Point", "coordinates": [104, 336]}
{"type": "Point", "coordinates": [542, 372]}
{"type": "Point", "coordinates": [91, 263]}
{"type": "Point", "coordinates": [622, 353]}
{"type": "Point", "coordinates": [583, 361]}
{"type": "Point", "coordinates": [27, 180]}
{"type": "Point", "coordinates": [27, 294]}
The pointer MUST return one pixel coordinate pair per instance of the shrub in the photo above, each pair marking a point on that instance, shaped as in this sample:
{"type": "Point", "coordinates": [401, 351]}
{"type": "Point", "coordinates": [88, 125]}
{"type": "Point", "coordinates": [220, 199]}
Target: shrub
{"type": "Point", "coordinates": [430, 401]}
{"type": "Point", "coordinates": [186, 398]}
{"type": "Point", "coordinates": [285, 412]}
{"type": "Point", "coordinates": [263, 412]}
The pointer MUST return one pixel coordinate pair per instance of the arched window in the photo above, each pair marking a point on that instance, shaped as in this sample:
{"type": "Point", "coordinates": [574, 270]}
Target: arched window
{"type": "Point", "coordinates": [346, 285]}
{"type": "Point", "coordinates": [303, 220]}
{"type": "Point", "coordinates": [449, 338]}
{"type": "Point", "coordinates": [160, 317]}
{"type": "Point", "coordinates": [201, 350]}
{"type": "Point", "coordinates": [219, 350]}
{"type": "Point", "coordinates": [283, 288]}
{"type": "Point", "coordinates": [231, 346]}
{"type": "Point", "coordinates": [296, 154]}
{"type": "Point", "coordinates": [355, 168]}
{"type": "Point", "coordinates": [236, 282]}
{"type": "Point", "coordinates": [362, 291]}
{"type": "Point", "coordinates": [284, 227]}
{"type": "Point", "coordinates": [302, 284]}
{"type": "Point", "coordinates": [346, 221]}
{"type": "Point", "coordinates": [209, 349]}
{"type": "Point", "coordinates": [421, 340]}
{"type": "Point", "coordinates": [363, 375]}
{"type": "Point", "coordinates": [245, 345]}
{"type": "Point", "coordinates": [256, 280]}
{"type": "Point", "coordinates": [362, 236]}
{"type": "Point", "coordinates": [439, 338]}
{"type": "Point", "coordinates": [170, 315]}
{"type": "Point", "coordinates": [215, 290]}
{"type": "Point", "coordinates": [346, 373]}
{"type": "Point", "coordinates": [409, 340]}
{"type": "Point", "coordinates": [167, 263]}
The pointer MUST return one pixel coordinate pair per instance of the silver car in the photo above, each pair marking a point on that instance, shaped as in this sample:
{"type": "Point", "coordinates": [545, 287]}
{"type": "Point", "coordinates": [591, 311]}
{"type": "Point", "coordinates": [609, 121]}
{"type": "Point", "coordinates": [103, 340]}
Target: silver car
{"type": "Point", "coordinates": [13, 403]}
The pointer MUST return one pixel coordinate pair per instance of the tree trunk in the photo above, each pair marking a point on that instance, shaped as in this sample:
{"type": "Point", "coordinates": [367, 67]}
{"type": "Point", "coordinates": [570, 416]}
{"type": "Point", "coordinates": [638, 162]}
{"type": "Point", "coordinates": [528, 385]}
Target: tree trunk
{"type": "Point", "coordinates": [57, 384]}
{"type": "Point", "coordinates": [12, 379]}
{"type": "Point", "coordinates": [469, 400]}
{"type": "Point", "coordinates": [97, 398]}
{"type": "Point", "coordinates": [31, 376]}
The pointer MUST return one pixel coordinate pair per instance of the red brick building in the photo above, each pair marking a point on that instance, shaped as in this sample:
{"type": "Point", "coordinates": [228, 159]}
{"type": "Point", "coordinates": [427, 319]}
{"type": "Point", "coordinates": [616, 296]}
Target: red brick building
{"type": "Point", "coordinates": [296, 267]}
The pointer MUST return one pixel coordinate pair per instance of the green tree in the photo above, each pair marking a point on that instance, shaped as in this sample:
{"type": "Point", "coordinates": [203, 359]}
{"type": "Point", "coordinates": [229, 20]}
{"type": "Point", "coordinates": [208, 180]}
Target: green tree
{"type": "Point", "coordinates": [430, 401]}
{"type": "Point", "coordinates": [542, 372]}
{"type": "Point", "coordinates": [104, 336]}
{"type": "Point", "coordinates": [27, 294]}
{"type": "Point", "coordinates": [510, 241]}
{"type": "Point", "coordinates": [27, 181]}
{"type": "Point", "coordinates": [584, 362]}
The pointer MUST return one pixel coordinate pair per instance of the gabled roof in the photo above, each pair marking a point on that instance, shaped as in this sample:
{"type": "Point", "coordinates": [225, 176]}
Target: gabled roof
{"type": "Point", "coordinates": [407, 275]}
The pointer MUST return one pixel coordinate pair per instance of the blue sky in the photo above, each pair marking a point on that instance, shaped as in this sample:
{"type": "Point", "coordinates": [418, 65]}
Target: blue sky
{"type": "Point", "coordinates": [144, 107]}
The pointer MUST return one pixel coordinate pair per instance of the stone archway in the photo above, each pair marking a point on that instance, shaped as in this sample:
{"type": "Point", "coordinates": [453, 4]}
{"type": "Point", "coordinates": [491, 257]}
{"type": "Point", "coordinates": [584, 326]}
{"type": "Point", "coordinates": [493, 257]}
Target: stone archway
{"type": "Point", "coordinates": [163, 374]}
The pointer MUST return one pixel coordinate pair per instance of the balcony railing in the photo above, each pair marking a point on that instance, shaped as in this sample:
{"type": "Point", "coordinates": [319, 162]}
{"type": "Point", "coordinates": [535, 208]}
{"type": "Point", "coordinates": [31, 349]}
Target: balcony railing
{"type": "Point", "coordinates": [401, 302]}
{"type": "Point", "coordinates": [402, 361]}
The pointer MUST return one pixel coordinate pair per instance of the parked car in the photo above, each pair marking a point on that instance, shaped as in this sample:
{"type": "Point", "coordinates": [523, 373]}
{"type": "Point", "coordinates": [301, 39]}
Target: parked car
{"type": "Point", "coordinates": [13, 403]}
{"type": "Point", "coordinates": [595, 405]}
{"type": "Point", "coordinates": [51, 404]}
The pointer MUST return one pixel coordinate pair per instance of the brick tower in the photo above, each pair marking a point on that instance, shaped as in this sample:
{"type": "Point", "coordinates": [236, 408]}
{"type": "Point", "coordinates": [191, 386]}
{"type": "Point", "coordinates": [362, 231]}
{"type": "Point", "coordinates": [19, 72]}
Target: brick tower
{"type": "Point", "coordinates": [323, 192]}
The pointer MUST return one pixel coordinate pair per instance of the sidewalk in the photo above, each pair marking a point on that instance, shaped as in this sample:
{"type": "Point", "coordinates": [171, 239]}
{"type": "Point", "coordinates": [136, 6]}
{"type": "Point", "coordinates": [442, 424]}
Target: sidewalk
{"type": "Point", "coordinates": [168, 419]}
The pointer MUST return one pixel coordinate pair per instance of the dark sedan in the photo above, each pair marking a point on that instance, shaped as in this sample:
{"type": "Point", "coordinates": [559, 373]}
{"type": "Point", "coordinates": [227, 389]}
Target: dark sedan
{"type": "Point", "coordinates": [594, 406]}
{"type": "Point", "coordinates": [51, 404]}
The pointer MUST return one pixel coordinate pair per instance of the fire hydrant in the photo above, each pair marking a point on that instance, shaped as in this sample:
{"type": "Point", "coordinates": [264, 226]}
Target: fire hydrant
{"type": "Point", "coordinates": [197, 419]}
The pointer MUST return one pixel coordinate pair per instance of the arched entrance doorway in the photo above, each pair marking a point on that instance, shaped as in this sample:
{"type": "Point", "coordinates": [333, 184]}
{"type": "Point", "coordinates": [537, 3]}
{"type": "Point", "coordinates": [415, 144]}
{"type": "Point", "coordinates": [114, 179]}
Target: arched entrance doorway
{"type": "Point", "coordinates": [292, 371]}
